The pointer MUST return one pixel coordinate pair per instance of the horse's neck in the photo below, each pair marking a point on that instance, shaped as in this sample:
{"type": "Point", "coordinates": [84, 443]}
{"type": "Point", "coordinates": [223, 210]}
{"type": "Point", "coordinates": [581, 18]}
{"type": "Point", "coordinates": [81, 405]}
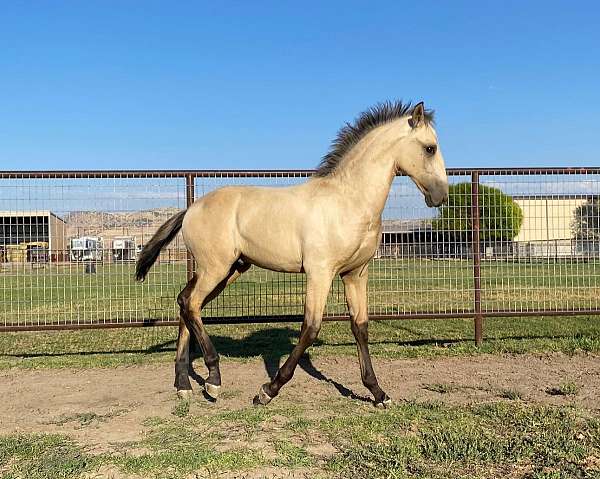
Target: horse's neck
{"type": "Point", "coordinates": [366, 176]}
{"type": "Point", "coordinates": [369, 188]}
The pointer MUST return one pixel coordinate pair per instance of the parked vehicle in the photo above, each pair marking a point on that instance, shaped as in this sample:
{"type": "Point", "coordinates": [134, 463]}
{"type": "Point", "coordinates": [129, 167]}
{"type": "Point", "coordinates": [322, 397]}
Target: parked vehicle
{"type": "Point", "coordinates": [37, 252]}
{"type": "Point", "coordinates": [124, 249]}
{"type": "Point", "coordinates": [86, 248]}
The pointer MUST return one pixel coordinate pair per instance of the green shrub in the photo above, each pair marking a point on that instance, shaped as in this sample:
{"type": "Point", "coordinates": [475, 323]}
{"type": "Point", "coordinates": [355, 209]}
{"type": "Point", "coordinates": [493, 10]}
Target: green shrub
{"type": "Point", "coordinates": [500, 217]}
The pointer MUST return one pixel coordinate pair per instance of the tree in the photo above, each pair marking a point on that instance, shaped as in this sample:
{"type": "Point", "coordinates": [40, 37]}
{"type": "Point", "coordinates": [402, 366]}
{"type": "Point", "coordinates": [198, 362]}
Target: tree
{"type": "Point", "coordinates": [586, 220]}
{"type": "Point", "coordinates": [500, 217]}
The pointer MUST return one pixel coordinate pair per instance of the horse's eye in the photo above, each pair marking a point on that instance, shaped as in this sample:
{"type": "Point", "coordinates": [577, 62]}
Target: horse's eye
{"type": "Point", "coordinates": [431, 149]}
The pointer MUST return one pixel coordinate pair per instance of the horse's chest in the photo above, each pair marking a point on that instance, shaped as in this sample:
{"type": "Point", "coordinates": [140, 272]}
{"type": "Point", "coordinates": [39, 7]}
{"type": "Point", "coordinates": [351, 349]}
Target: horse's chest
{"type": "Point", "coordinates": [364, 246]}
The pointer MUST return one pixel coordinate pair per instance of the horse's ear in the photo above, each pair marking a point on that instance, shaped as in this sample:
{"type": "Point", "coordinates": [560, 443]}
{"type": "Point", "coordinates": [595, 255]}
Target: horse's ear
{"type": "Point", "coordinates": [418, 115]}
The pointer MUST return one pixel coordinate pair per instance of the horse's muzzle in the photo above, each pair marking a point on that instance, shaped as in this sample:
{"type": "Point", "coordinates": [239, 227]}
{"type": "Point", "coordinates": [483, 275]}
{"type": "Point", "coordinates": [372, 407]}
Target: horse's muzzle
{"type": "Point", "coordinates": [436, 194]}
{"type": "Point", "coordinates": [437, 198]}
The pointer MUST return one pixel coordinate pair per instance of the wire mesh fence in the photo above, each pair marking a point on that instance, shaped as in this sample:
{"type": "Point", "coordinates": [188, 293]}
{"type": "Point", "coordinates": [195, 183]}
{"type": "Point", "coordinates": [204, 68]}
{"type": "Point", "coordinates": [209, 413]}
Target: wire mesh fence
{"type": "Point", "coordinates": [509, 242]}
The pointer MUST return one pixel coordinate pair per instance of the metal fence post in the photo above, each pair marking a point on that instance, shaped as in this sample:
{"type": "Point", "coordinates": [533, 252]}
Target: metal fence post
{"type": "Point", "coordinates": [190, 193]}
{"type": "Point", "coordinates": [475, 243]}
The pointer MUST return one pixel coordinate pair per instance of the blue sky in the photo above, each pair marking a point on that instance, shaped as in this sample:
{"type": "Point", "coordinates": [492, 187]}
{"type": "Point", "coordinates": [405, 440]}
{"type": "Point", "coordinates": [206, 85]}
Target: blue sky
{"type": "Point", "coordinates": [264, 85]}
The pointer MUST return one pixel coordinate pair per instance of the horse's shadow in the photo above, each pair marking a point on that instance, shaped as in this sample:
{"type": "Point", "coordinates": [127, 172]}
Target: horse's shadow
{"type": "Point", "coordinates": [273, 345]}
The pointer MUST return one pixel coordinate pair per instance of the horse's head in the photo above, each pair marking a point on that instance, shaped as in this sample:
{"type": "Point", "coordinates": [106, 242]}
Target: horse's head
{"type": "Point", "coordinates": [419, 156]}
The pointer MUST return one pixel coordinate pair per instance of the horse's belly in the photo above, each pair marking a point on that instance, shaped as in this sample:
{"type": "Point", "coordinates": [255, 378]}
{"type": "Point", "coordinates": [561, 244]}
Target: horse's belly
{"type": "Point", "coordinates": [273, 254]}
{"type": "Point", "coordinates": [272, 262]}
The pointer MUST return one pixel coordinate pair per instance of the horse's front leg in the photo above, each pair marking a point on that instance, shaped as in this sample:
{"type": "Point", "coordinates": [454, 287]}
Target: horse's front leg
{"type": "Point", "coordinates": [355, 287]}
{"type": "Point", "coordinates": [317, 288]}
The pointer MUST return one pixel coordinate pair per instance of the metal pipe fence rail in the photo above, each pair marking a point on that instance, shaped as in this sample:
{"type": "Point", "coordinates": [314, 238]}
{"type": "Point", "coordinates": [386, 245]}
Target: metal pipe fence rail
{"type": "Point", "coordinates": [510, 242]}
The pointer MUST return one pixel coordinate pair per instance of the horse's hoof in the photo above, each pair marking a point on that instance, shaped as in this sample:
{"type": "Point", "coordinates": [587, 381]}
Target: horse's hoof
{"type": "Point", "coordinates": [185, 394]}
{"type": "Point", "coordinates": [262, 398]}
{"type": "Point", "coordinates": [387, 402]}
{"type": "Point", "coordinates": [212, 390]}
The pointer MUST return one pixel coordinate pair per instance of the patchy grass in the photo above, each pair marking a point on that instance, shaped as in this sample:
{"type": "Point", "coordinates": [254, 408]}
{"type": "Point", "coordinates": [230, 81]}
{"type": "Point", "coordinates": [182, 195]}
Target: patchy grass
{"type": "Point", "coordinates": [153, 421]}
{"type": "Point", "coordinates": [439, 441]}
{"type": "Point", "coordinates": [291, 456]}
{"type": "Point", "coordinates": [299, 424]}
{"type": "Point", "coordinates": [178, 447]}
{"type": "Point", "coordinates": [408, 440]}
{"type": "Point", "coordinates": [230, 393]}
{"type": "Point", "coordinates": [441, 388]}
{"type": "Point", "coordinates": [251, 419]}
{"type": "Point", "coordinates": [216, 443]}
{"type": "Point", "coordinates": [38, 456]}
{"type": "Point", "coordinates": [511, 394]}
{"type": "Point", "coordinates": [168, 462]}
{"type": "Point", "coordinates": [568, 388]}
{"type": "Point", "coordinates": [182, 408]}
{"type": "Point", "coordinates": [86, 418]}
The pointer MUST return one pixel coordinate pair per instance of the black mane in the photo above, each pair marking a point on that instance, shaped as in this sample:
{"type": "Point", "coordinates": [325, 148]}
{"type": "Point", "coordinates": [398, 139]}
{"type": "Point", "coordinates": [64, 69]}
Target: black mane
{"type": "Point", "coordinates": [351, 133]}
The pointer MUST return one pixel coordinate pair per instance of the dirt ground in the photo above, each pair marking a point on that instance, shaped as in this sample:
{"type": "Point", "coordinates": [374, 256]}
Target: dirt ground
{"type": "Point", "coordinates": [35, 401]}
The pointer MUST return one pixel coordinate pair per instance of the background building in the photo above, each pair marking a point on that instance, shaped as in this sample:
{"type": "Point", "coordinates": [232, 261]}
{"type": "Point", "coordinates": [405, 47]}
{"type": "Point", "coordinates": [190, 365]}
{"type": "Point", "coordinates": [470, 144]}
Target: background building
{"type": "Point", "coordinates": [32, 236]}
{"type": "Point", "coordinates": [547, 225]}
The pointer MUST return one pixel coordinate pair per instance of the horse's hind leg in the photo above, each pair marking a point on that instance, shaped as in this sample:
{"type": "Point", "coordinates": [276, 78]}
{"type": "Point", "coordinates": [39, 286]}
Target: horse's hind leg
{"type": "Point", "coordinates": [182, 362]}
{"type": "Point", "coordinates": [182, 381]}
{"type": "Point", "coordinates": [182, 358]}
{"type": "Point", "coordinates": [355, 287]}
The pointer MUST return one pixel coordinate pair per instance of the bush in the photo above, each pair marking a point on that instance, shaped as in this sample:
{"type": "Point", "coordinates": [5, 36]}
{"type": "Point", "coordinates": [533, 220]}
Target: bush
{"type": "Point", "coordinates": [500, 217]}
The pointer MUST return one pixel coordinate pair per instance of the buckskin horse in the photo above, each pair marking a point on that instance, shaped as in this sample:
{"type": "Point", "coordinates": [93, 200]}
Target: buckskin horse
{"type": "Point", "coordinates": [328, 225]}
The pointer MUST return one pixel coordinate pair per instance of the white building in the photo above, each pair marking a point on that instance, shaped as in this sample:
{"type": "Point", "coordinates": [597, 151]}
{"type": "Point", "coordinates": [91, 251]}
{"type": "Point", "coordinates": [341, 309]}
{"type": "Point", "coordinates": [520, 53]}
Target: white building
{"type": "Point", "coordinates": [547, 224]}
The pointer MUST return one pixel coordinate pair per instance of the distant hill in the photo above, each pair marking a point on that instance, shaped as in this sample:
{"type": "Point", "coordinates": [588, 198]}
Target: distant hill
{"type": "Point", "coordinates": [116, 219]}
{"type": "Point", "coordinates": [108, 224]}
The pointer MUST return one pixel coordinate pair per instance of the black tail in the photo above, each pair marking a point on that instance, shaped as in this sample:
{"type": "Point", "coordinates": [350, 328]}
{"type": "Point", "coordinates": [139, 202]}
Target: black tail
{"type": "Point", "coordinates": [161, 238]}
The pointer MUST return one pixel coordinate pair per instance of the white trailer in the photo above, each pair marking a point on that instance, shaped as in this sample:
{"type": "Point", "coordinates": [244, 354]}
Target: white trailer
{"type": "Point", "coordinates": [124, 249]}
{"type": "Point", "coordinates": [86, 248]}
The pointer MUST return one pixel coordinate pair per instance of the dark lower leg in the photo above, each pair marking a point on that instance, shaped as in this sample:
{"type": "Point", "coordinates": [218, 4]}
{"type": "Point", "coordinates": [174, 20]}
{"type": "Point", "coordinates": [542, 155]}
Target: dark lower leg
{"type": "Point", "coordinates": [308, 335]}
{"type": "Point", "coordinates": [182, 357]}
{"type": "Point", "coordinates": [360, 331]}
{"type": "Point", "coordinates": [211, 358]}
{"type": "Point", "coordinates": [317, 287]}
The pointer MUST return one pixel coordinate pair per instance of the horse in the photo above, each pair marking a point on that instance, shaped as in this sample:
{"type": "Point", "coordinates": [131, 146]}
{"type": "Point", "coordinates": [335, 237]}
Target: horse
{"type": "Point", "coordinates": [329, 225]}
